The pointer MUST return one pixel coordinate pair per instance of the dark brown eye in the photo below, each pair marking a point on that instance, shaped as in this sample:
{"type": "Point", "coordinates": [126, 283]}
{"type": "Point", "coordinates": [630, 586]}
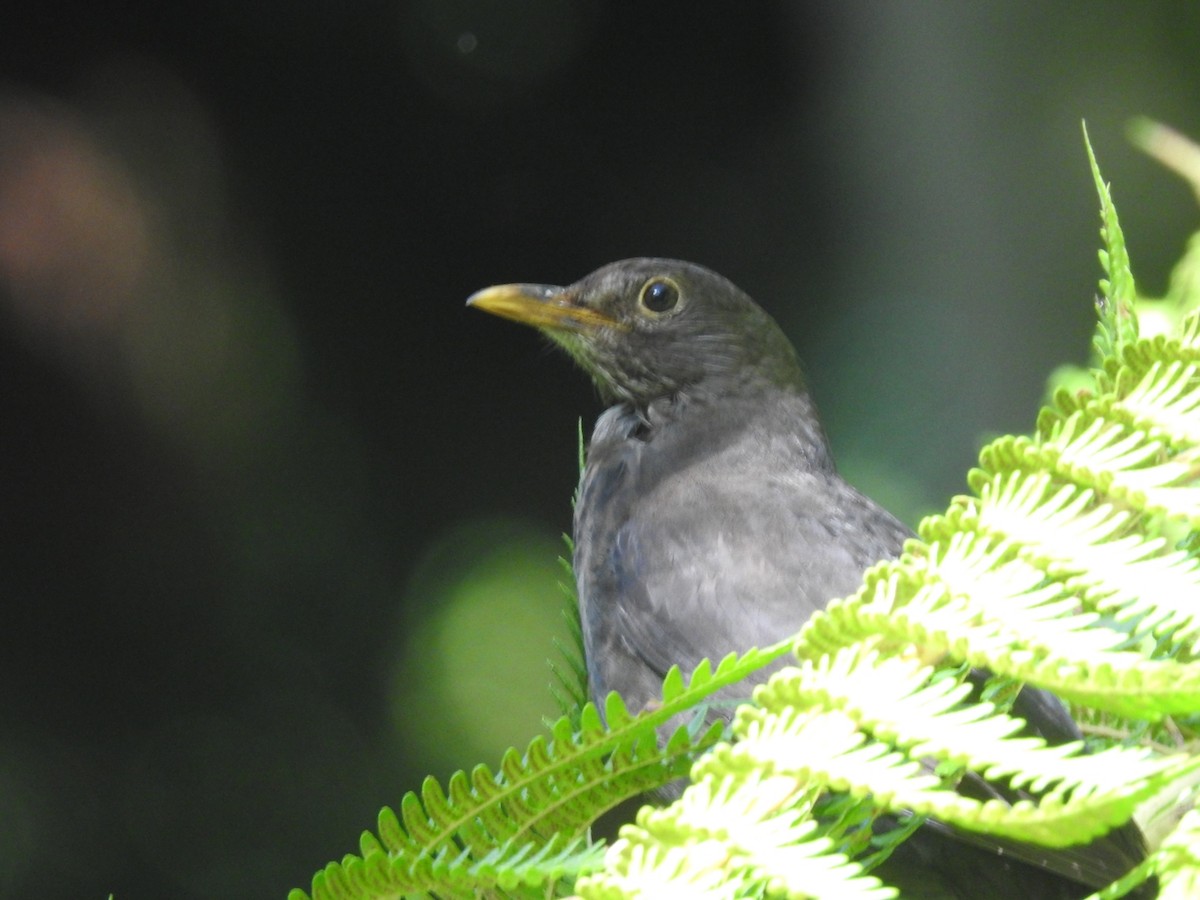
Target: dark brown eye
{"type": "Point", "coordinates": [659, 295]}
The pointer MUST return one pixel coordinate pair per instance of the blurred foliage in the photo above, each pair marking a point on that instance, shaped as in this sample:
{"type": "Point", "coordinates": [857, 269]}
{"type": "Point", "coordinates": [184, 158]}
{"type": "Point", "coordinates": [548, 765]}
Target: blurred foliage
{"type": "Point", "coordinates": [471, 676]}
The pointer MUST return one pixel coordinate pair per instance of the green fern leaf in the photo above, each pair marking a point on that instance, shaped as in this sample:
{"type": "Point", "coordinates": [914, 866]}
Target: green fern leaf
{"type": "Point", "coordinates": [1107, 456]}
{"type": "Point", "coordinates": [1178, 860]}
{"type": "Point", "coordinates": [540, 798]}
{"type": "Point", "coordinates": [1000, 617]}
{"type": "Point", "coordinates": [730, 837]}
{"type": "Point", "coordinates": [1064, 532]}
{"type": "Point", "coordinates": [896, 701]}
{"type": "Point", "coordinates": [822, 724]}
{"type": "Point", "coordinates": [570, 685]}
{"type": "Point", "coordinates": [1118, 321]}
{"type": "Point", "coordinates": [1165, 404]}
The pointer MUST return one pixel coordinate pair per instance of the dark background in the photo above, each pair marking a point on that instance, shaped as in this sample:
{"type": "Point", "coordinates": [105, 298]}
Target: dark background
{"type": "Point", "coordinates": [279, 517]}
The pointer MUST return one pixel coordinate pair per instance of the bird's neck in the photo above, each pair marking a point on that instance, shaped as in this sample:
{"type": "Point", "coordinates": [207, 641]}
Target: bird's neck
{"type": "Point", "coordinates": [782, 420]}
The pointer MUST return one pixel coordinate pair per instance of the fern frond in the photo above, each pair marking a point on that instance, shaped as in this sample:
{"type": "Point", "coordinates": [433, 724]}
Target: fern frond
{"type": "Point", "coordinates": [1178, 860]}
{"type": "Point", "coordinates": [1165, 404]}
{"type": "Point", "coordinates": [1146, 387]}
{"type": "Point", "coordinates": [1123, 464]}
{"type": "Point", "coordinates": [518, 869]}
{"type": "Point", "coordinates": [729, 836]}
{"type": "Point", "coordinates": [895, 701]}
{"type": "Point", "coordinates": [534, 867]}
{"type": "Point", "coordinates": [570, 685]}
{"type": "Point", "coordinates": [1064, 532]}
{"type": "Point", "coordinates": [1189, 329]}
{"type": "Point", "coordinates": [544, 797]}
{"type": "Point", "coordinates": [862, 723]}
{"type": "Point", "coordinates": [1062, 655]}
{"type": "Point", "coordinates": [1118, 320]}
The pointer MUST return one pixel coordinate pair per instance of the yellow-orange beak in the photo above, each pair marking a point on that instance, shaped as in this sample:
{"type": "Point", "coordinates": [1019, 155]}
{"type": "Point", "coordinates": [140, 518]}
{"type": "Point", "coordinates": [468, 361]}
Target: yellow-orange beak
{"type": "Point", "coordinates": [540, 305]}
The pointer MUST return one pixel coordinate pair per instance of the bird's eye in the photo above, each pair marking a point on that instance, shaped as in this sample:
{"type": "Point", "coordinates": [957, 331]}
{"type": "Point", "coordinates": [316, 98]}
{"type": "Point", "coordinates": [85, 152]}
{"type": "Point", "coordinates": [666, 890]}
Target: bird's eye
{"type": "Point", "coordinates": [659, 295]}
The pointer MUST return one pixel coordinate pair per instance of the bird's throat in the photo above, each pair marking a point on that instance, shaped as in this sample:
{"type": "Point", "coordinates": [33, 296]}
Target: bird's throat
{"type": "Point", "coordinates": [685, 425]}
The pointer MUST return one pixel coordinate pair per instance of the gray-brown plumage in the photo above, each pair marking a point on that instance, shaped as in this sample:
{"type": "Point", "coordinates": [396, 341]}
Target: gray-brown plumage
{"type": "Point", "coordinates": [711, 519]}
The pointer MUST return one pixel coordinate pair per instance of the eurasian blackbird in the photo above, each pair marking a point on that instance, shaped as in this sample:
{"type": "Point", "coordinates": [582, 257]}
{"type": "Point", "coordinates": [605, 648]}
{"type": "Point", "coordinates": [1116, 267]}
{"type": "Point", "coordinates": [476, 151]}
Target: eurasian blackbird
{"type": "Point", "coordinates": [711, 519]}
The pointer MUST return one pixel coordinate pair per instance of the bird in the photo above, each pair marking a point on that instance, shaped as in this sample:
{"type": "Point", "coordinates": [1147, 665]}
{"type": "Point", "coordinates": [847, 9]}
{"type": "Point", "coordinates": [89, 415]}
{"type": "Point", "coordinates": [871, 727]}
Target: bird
{"type": "Point", "coordinates": [711, 518]}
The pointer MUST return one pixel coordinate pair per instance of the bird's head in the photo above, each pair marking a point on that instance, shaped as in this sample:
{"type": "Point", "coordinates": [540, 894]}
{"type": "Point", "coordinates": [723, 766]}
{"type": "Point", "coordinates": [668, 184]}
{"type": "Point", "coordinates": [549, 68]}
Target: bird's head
{"type": "Point", "coordinates": [650, 328]}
